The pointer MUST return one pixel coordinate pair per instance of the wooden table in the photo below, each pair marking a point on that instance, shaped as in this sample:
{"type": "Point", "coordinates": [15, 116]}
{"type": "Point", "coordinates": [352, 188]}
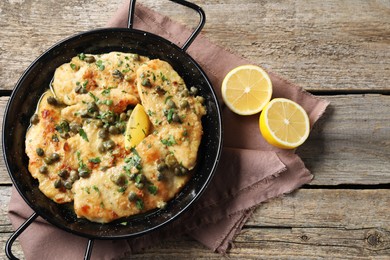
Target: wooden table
{"type": "Point", "coordinates": [339, 50]}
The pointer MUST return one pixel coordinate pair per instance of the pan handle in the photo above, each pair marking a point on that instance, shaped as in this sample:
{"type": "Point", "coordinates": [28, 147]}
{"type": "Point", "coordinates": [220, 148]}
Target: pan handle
{"type": "Point", "coordinates": [193, 6]}
{"type": "Point", "coordinates": [15, 235]}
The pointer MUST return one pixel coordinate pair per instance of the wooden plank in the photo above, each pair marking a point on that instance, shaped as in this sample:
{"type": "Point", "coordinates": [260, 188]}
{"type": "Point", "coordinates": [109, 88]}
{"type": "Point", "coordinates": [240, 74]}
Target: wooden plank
{"type": "Point", "coordinates": [326, 46]}
{"type": "Point", "coordinates": [297, 226]}
{"type": "Point", "coordinates": [352, 128]}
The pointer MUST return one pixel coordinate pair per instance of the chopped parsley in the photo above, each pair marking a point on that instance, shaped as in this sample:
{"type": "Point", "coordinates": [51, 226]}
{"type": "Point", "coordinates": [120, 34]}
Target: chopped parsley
{"type": "Point", "coordinates": [122, 189]}
{"type": "Point", "coordinates": [83, 134]}
{"type": "Point", "coordinates": [169, 141]}
{"type": "Point", "coordinates": [73, 66]}
{"type": "Point", "coordinates": [81, 56]}
{"type": "Point", "coordinates": [100, 65]}
{"type": "Point", "coordinates": [171, 111]}
{"type": "Point", "coordinates": [106, 92]}
{"type": "Point", "coordinates": [152, 189]}
{"type": "Point", "coordinates": [95, 160]}
{"type": "Point", "coordinates": [139, 204]}
{"type": "Point", "coordinates": [55, 138]}
{"type": "Point", "coordinates": [95, 98]}
{"type": "Point", "coordinates": [96, 188]}
{"type": "Point", "coordinates": [133, 161]}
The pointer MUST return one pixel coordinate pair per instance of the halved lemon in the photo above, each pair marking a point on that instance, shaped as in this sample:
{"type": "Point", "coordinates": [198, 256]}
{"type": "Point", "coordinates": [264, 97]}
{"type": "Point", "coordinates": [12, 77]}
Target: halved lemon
{"type": "Point", "coordinates": [137, 127]}
{"type": "Point", "coordinates": [246, 89]}
{"type": "Point", "coordinates": [284, 123]}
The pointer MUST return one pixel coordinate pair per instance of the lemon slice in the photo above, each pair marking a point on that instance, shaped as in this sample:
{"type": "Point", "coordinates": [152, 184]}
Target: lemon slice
{"type": "Point", "coordinates": [284, 123]}
{"type": "Point", "coordinates": [246, 89]}
{"type": "Point", "coordinates": [137, 127]}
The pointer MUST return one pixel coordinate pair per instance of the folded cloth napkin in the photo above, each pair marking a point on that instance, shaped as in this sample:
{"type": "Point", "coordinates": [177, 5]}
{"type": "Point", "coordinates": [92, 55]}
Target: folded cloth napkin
{"type": "Point", "coordinates": [250, 171]}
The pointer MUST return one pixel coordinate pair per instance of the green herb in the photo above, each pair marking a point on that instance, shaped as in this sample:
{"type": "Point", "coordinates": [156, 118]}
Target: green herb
{"type": "Point", "coordinates": [102, 205]}
{"type": "Point", "coordinates": [185, 132]}
{"type": "Point", "coordinates": [85, 83]}
{"type": "Point", "coordinates": [95, 160]}
{"type": "Point", "coordinates": [162, 76]}
{"type": "Point", "coordinates": [108, 102]}
{"type": "Point", "coordinates": [86, 189]}
{"type": "Point", "coordinates": [106, 91]}
{"type": "Point", "coordinates": [167, 98]}
{"type": "Point", "coordinates": [150, 112]}
{"type": "Point", "coordinates": [169, 141]}
{"type": "Point", "coordinates": [120, 63]}
{"type": "Point", "coordinates": [133, 161]}
{"type": "Point", "coordinates": [96, 189]}
{"type": "Point", "coordinates": [171, 111]}
{"type": "Point", "coordinates": [122, 189]}
{"type": "Point", "coordinates": [73, 66]}
{"type": "Point", "coordinates": [83, 134]}
{"type": "Point", "coordinates": [139, 204]}
{"type": "Point", "coordinates": [100, 65]}
{"type": "Point", "coordinates": [81, 56]}
{"type": "Point", "coordinates": [152, 189]}
{"type": "Point", "coordinates": [95, 98]}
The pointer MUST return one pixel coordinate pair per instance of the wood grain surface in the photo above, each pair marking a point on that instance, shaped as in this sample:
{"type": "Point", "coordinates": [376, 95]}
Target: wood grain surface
{"type": "Point", "coordinates": [339, 50]}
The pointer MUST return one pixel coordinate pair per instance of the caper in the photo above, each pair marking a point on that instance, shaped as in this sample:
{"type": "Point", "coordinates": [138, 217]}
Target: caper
{"type": "Point", "coordinates": [84, 113]}
{"type": "Point", "coordinates": [68, 185]}
{"type": "Point", "coordinates": [183, 170]}
{"type": "Point", "coordinates": [52, 101]}
{"type": "Point", "coordinates": [63, 173]}
{"type": "Point", "coordinates": [117, 74]}
{"type": "Point", "coordinates": [183, 104]}
{"type": "Point", "coordinates": [110, 118]}
{"type": "Point", "coordinates": [170, 160]}
{"type": "Point", "coordinates": [123, 117]}
{"type": "Point", "coordinates": [128, 78]}
{"type": "Point", "coordinates": [128, 112]}
{"type": "Point", "coordinates": [193, 91]}
{"type": "Point", "coordinates": [118, 179]}
{"type": "Point", "coordinates": [184, 93]}
{"type": "Point", "coordinates": [102, 148]}
{"type": "Point", "coordinates": [74, 127]}
{"type": "Point", "coordinates": [84, 90]}
{"type": "Point", "coordinates": [161, 167]}
{"type": "Point", "coordinates": [43, 169]}
{"type": "Point", "coordinates": [65, 135]}
{"type": "Point", "coordinates": [177, 171]}
{"type": "Point", "coordinates": [200, 99]}
{"type": "Point", "coordinates": [136, 57]}
{"type": "Point", "coordinates": [78, 89]}
{"type": "Point", "coordinates": [160, 176]}
{"type": "Point", "coordinates": [103, 133]}
{"type": "Point", "coordinates": [55, 157]}
{"type": "Point", "coordinates": [132, 196]}
{"type": "Point", "coordinates": [34, 119]}
{"type": "Point", "coordinates": [99, 123]}
{"type": "Point", "coordinates": [57, 184]}
{"type": "Point", "coordinates": [74, 175]}
{"type": "Point", "coordinates": [40, 151]}
{"type": "Point", "coordinates": [92, 107]}
{"type": "Point", "coordinates": [175, 117]}
{"type": "Point", "coordinates": [109, 145]}
{"type": "Point", "coordinates": [113, 130]}
{"type": "Point", "coordinates": [83, 173]}
{"type": "Point", "coordinates": [64, 125]}
{"type": "Point", "coordinates": [90, 59]}
{"type": "Point", "coordinates": [160, 90]}
{"type": "Point", "coordinates": [171, 104]}
{"type": "Point", "coordinates": [48, 160]}
{"type": "Point", "coordinates": [146, 82]}
{"type": "Point", "coordinates": [139, 185]}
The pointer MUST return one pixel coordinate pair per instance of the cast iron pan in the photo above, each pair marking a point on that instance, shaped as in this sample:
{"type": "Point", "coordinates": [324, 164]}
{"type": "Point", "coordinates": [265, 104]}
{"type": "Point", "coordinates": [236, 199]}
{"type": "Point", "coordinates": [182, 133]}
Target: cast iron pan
{"type": "Point", "coordinates": [36, 80]}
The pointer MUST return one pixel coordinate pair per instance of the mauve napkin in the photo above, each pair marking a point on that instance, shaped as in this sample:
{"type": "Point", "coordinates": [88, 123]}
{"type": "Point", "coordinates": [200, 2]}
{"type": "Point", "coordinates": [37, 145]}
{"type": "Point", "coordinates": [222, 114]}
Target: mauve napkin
{"type": "Point", "coordinates": [250, 171]}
